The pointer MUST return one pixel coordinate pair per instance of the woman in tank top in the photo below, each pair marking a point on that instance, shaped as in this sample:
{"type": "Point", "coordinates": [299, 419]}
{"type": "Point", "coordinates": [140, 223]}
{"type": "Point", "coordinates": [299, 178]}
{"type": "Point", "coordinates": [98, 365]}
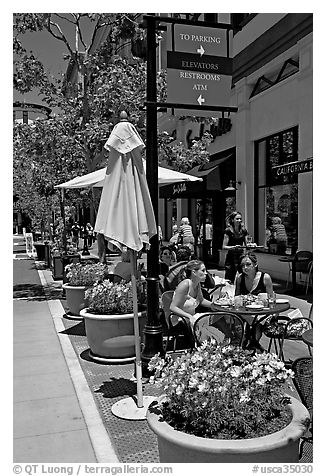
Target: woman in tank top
{"type": "Point", "coordinates": [252, 281]}
{"type": "Point", "coordinates": [235, 237]}
{"type": "Point", "coordinates": [188, 294]}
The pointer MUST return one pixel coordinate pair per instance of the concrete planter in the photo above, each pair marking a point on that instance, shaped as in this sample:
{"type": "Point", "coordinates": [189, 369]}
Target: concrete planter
{"type": "Point", "coordinates": [280, 447]}
{"type": "Point", "coordinates": [75, 296]}
{"type": "Point", "coordinates": [59, 263]}
{"type": "Point", "coordinates": [111, 337]}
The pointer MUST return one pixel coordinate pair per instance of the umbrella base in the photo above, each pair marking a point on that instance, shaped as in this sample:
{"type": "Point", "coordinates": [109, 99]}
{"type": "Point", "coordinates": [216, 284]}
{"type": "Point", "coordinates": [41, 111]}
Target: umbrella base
{"type": "Point", "coordinates": [105, 360]}
{"type": "Point", "coordinates": [128, 410]}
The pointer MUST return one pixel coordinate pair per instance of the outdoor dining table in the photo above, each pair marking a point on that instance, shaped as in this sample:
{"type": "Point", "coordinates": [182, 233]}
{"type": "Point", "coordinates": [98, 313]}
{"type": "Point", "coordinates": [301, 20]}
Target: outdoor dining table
{"type": "Point", "coordinates": [307, 337]}
{"type": "Point", "coordinates": [258, 314]}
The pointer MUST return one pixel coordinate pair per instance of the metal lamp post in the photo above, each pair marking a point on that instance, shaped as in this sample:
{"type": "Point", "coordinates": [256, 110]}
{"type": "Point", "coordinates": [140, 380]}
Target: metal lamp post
{"type": "Point", "coordinates": [153, 336]}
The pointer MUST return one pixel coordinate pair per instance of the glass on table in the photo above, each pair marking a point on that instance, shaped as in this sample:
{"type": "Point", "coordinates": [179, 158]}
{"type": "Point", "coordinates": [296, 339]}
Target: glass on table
{"type": "Point", "coordinates": [272, 299]}
{"type": "Point", "coordinates": [238, 302]}
{"type": "Point", "coordinates": [264, 299]}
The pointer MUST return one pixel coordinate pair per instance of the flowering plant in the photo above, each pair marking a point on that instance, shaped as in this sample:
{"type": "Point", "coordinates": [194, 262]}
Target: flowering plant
{"type": "Point", "coordinates": [85, 274]}
{"type": "Point", "coordinates": [57, 247]}
{"type": "Point", "coordinates": [223, 392]}
{"type": "Point", "coordinates": [112, 298]}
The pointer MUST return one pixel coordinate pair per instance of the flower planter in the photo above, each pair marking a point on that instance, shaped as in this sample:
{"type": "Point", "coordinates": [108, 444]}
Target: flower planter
{"type": "Point", "coordinates": [280, 447]}
{"type": "Point", "coordinates": [59, 263]}
{"type": "Point", "coordinates": [75, 296]}
{"type": "Point", "coordinates": [111, 337]}
{"type": "Point", "coordinates": [40, 251]}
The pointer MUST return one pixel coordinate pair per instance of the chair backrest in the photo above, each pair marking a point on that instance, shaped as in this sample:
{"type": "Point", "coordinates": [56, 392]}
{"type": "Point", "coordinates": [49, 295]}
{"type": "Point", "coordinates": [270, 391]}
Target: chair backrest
{"type": "Point", "coordinates": [114, 278]}
{"type": "Point", "coordinates": [303, 260]}
{"type": "Point", "coordinates": [179, 325]}
{"type": "Point", "coordinates": [224, 327]}
{"type": "Point", "coordinates": [294, 328]}
{"type": "Point", "coordinates": [166, 299]}
{"type": "Point", "coordinates": [303, 380]}
{"type": "Point", "coordinates": [174, 276]}
{"type": "Point", "coordinates": [296, 303]}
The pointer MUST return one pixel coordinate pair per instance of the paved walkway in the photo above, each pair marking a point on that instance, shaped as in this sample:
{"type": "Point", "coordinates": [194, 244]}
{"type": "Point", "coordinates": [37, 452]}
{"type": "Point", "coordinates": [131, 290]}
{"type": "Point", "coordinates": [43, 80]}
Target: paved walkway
{"type": "Point", "coordinates": [62, 399]}
{"type": "Point", "coordinates": [55, 417]}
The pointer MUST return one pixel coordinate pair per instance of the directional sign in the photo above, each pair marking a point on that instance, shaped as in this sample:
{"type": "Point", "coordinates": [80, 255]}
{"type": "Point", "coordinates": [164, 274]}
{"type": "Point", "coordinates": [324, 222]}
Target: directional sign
{"type": "Point", "coordinates": [200, 39]}
{"type": "Point", "coordinates": [209, 64]}
{"type": "Point", "coordinates": [197, 88]}
{"type": "Point", "coordinates": [199, 72]}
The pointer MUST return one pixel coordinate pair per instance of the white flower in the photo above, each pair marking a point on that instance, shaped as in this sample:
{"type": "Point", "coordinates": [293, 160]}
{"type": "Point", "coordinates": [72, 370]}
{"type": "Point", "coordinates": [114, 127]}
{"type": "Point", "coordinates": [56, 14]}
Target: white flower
{"type": "Point", "coordinates": [179, 389]}
{"type": "Point", "coordinates": [235, 371]}
{"type": "Point", "coordinates": [202, 387]}
{"type": "Point", "coordinates": [193, 382]}
{"type": "Point", "coordinates": [244, 397]}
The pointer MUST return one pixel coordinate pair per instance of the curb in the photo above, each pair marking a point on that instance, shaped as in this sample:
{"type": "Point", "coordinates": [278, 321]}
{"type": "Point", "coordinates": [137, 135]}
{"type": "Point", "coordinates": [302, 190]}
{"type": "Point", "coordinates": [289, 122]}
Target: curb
{"type": "Point", "coordinates": [102, 445]}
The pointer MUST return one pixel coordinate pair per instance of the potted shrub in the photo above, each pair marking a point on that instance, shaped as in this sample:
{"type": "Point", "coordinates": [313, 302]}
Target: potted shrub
{"type": "Point", "coordinates": [222, 404]}
{"type": "Point", "coordinates": [79, 278]}
{"type": "Point", "coordinates": [62, 253]}
{"type": "Point", "coordinates": [109, 320]}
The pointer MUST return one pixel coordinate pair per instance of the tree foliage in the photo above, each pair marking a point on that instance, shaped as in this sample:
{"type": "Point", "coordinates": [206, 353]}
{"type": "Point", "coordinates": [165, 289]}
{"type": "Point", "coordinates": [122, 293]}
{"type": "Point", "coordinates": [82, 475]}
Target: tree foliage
{"type": "Point", "coordinates": [69, 143]}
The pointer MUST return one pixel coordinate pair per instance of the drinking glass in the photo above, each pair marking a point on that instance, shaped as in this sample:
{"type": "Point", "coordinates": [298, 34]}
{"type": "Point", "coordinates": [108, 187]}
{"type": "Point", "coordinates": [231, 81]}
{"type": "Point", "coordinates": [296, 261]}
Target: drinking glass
{"type": "Point", "coordinates": [249, 239]}
{"type": "Point", "coordinates": [238, 302]}
{"type": "Point", "coordinates": [272, 300]}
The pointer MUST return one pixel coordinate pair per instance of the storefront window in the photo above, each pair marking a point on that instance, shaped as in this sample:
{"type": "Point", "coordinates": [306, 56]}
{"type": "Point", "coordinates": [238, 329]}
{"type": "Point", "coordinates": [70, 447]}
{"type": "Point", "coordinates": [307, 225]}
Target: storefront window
{"type": "Point", "coordinates": [277, 196]}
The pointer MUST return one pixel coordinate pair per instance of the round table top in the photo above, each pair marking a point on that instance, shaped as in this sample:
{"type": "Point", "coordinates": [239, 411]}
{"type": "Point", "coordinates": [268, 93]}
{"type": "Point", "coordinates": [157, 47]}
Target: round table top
{"type": "Point", "coordinates": [307, 337]}
{"type": "Point", "coordinates": [261, 311]}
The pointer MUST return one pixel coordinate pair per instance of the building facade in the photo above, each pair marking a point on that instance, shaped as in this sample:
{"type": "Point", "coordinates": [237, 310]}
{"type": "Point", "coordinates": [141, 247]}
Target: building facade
{"type": "Point", "coordinates": [272, 85]}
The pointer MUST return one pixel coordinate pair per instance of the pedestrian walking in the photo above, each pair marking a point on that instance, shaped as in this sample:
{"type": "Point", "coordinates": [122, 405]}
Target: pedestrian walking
{"type": "Point", "coordinates": [75, 229]}
{"type": "Point", "coordinates": [279, 234]}
{"type": "Point", "coordinates": [89, 233]}
{"type": "Point", "coordinates": [208, 237]}
{"type": "Point", "coordinates": [188, 238]}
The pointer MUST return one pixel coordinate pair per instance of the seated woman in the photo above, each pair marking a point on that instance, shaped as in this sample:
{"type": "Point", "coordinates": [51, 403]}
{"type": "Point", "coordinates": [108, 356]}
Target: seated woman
{"type": "Point", "coordinates": [188, 294]}
{"type": "Point", "coordinates": [252, 281]}
{"type": "Point", "coordinates": [165, 260]}
{"type": "Point", "coordinates": [123, 267]}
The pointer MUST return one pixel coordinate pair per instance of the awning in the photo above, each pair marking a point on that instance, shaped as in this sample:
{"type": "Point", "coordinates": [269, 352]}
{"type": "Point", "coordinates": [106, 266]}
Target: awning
{"type": "Point", "coordinates": [96, 178]}
{"type": "Point", "coordinates": [215, 174]}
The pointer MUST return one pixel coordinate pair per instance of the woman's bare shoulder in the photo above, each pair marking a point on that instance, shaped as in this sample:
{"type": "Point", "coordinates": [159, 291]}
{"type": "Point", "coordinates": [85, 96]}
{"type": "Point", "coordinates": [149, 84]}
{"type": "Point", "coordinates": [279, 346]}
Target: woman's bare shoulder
{"type": "Point", "coordinates": [183, 285]}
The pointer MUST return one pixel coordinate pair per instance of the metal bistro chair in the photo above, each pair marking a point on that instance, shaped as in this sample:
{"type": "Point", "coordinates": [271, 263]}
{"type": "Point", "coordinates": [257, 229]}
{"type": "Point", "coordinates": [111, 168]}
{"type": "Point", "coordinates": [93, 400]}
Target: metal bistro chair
{"type": "Point", "coordinates": [114, 278]}
{"type": "Point", "coordinates": [303, 382]}
{"type": "Point", "coordinates": [302, 263]}
{"type": "Point", "coordinates": [293, 330]}
{"type": "Point", "coordinates": [178, 330]}
{"type": "Point", "coordinates": [274, 329]}
{"type": "Point", "coordinates": [224, 327]}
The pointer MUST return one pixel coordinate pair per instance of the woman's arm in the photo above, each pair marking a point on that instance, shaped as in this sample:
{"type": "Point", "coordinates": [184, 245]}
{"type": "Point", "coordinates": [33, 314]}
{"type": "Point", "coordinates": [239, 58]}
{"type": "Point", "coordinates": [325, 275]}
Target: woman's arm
{"type": "Point", "coordinates": [203, 301]}
{"type": "Point", "coordinates": [237, 285]}
{"type": "Point", "coordinates": [179, 299]}
{"type": "Point", "coordinates": [225, 245]}
{"type": "Point", "coordinates": [268, 284]}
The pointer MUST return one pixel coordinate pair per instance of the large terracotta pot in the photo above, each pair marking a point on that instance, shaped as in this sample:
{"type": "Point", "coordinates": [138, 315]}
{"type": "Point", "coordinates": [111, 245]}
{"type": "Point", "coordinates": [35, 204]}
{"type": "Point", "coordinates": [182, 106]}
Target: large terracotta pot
{"type": "Point", "coordinates": [111, 337]}
{"type": "Point", "coordinates": [75, 296]}
{"type": "Point", "coordinates": [280, 447]}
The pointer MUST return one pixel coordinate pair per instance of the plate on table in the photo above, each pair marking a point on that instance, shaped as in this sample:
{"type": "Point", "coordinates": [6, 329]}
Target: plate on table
{"type": "Point", "coordinates": [282, 301]}
{"type": "Point", "coordinates": [254, 306]}
{"type": "Point", "coordinates": [222, 302]}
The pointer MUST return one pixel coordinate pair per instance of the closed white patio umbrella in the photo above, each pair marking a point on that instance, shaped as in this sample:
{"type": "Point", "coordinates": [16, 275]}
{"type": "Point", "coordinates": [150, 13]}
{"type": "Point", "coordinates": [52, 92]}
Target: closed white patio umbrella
{"type": "Point", "coordinates": [126, 218]}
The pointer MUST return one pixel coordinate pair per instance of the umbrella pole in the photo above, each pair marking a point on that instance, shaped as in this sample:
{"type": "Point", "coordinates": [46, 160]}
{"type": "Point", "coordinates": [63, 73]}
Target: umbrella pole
{"type": "Point", "coordinates": [136, 329]}
{"type": "Point", "coordinates": [127, 408]}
